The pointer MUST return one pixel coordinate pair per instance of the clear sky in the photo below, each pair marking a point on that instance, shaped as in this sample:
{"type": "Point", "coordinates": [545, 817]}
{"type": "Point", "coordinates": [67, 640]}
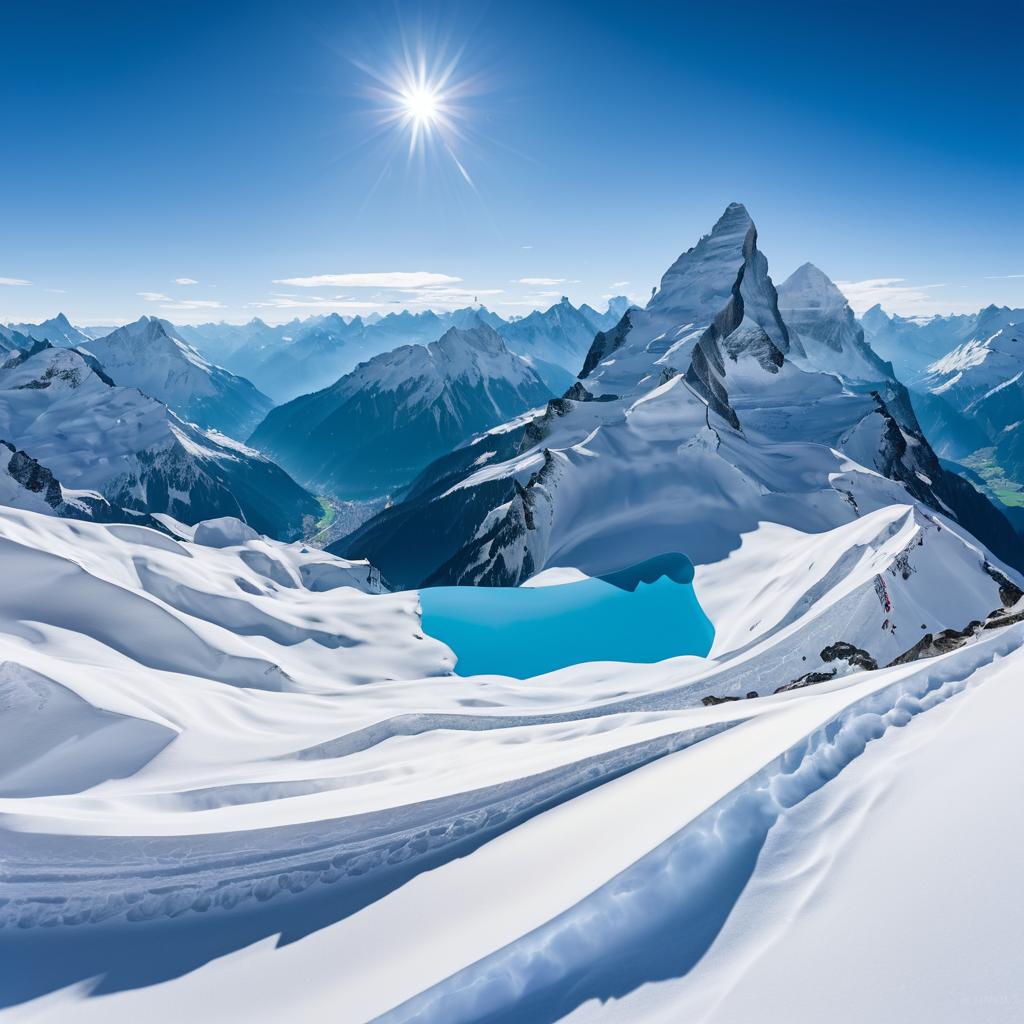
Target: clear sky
{"type": "Point", "coordinates": [580, 148]}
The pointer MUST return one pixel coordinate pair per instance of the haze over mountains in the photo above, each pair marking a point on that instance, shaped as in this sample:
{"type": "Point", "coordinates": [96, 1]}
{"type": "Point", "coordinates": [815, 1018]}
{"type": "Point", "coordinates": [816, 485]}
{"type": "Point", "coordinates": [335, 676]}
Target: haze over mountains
{"type": "Point", "coordinates": [288, 360]}
{"type": "Point", "coordinates": [371, 432]}
{"type": "Point", "coordinates": [178, 364]}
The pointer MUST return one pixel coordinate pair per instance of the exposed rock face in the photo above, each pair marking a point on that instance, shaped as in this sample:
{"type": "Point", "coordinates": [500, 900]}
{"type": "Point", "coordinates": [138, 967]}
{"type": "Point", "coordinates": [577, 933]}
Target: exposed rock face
{"type": "Point", "coordinates": [852, 655]}
{"type": "Point", "coordinates": [37, 479]}
{"type": "Point", "coordinates": [25, 483]}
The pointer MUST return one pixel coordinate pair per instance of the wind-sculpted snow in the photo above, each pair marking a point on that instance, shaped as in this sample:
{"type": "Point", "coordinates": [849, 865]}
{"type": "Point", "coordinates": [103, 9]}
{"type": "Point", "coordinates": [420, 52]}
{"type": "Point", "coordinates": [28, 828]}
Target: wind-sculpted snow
{"type": "Point", "coordinates": [370, 784]}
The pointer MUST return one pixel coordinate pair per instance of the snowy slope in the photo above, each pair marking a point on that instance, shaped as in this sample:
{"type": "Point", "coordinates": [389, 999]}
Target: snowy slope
{"type": "Point", "coordinates": [287, 755]}
{"type": "Point", "coordinates": [372, 431]}
{"type": "Point", "coordinates": [61, 408]}
{"type": "Point", "coordinates": [149, 355]}
{"type": "Point", "coordinates": [691, 424]}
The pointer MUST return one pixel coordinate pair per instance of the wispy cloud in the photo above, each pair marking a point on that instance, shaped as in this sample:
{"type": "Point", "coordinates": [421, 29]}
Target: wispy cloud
{"type": "Point", "coordinates": [541, 282]}
{"type": "Point", "coordinates": [438, 297]}
{"type": "Point", "coordinates": [194, 304]}
{"type": "Point", "coordinates": [1005, 277]}
{"type": "Point", "coordinates": [385, 279]}
{"type": "Point", "coordinates": [894, 294]}
{"type": "Point", "coordinates": [15, 282]}
{"type": "Point", "coordinates": [619, 284]}
{"type": "Point", "coordinates": [154, 296]}
{"type": "Point", "coordinates": [185, 280]}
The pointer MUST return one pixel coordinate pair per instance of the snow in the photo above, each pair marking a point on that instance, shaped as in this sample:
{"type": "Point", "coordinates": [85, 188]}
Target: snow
{"type": "Point", "coordinates": [241, 781]}
{"type": "Point", "coordinates": [223, 533]}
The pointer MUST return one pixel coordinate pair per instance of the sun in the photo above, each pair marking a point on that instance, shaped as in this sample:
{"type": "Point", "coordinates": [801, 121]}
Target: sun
{"type": "Point", "coordinates": [423, 105]}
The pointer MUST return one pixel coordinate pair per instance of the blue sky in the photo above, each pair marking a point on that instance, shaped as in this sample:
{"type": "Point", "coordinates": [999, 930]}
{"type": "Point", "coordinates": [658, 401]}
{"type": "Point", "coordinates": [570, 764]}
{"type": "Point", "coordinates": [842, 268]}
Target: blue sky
{"type": "Point", "coordinates": [240, 144]}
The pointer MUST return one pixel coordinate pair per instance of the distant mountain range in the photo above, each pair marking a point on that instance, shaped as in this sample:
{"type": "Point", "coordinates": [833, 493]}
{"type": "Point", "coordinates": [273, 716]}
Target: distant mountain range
{"type": "Point", "coordinates": [912, 344]}
{"type": "Point", "coordinates": [961, 372]}
{"type": "Point", "coordinates": [965, 377]}
{"type": "Point", "coordinates": [288, 360]}
{"type": "Point", "coordinates": [372, 431]}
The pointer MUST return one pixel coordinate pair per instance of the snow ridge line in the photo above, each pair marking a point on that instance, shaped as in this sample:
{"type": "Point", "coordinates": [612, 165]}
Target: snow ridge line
{"type": "Point", "coordinates": [95, 879]}
{"type": "Point", "coordinates": [671, 894]}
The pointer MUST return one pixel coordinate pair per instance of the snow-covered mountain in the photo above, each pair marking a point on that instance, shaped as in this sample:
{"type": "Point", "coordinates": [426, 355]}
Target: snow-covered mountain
{"type": "Point", "coordinates": [824, 334]}
{"type": "Point", "coordinates": [617, 305]}
{"type": "Point", "coordinates": [233, 771]}
{"type": "Point", "coordinates": [57, 330]}
{"type": "Point", "coordinates": [149, 355]}
{"type": "Point", "coordinates": [373, 430]}
{"type": "Point", "coordinates": [690, 425]}
{"type": "Point", "coordinates": [62, 410]}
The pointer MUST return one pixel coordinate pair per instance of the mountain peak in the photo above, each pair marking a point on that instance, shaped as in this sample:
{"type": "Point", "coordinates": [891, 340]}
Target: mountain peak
{"type": "Point", "coordinates": [734, 213]}
{"type": "Point", "coordinates": [810, 288]}
{"type": "Point", "coordinates": [709, 269]}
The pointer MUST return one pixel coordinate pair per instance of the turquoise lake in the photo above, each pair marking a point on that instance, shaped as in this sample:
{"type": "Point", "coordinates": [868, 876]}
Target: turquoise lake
{"type": "Point", "coordinates": [643, 614]}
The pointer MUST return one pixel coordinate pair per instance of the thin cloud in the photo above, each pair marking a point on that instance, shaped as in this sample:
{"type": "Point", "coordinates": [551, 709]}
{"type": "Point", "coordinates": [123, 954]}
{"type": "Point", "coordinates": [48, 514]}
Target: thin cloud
{"type": "Point", "coordinates": [194, 304]}
{"type": "Point", "coordinates": [619, 284]}
{"type": "Point", "coordinates": [1005, 277]}
{"type": "Point", "coordinates": [289, 302]}
{"type": "Point", "coordinates": [15, 282]}
{"type": "Point", "coordinates": [894, 294]}
{"type": "Point", "coordinates": [154, 296]}
{"type": "Point", "coordinates": [389, 279]}
{"type": "Point", "coordinates": [437, 297]}
{"type": "Point", "coordinates": [185, 280]}
{"type": "Point", "coordinates": [541, 282]}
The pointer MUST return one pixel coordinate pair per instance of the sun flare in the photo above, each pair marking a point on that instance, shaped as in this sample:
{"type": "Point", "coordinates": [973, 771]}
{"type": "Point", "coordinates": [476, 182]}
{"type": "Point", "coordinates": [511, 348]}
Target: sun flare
{"type": "Point", "coordinates": [422, 105]}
